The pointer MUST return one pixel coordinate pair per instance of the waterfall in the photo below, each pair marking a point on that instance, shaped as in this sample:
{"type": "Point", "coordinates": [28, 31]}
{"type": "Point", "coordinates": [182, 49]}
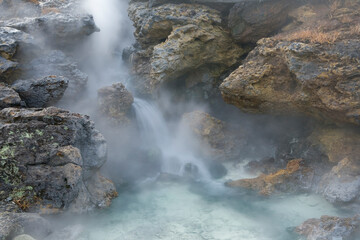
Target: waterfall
{"type": "Point", "coordinates": [177, 153]}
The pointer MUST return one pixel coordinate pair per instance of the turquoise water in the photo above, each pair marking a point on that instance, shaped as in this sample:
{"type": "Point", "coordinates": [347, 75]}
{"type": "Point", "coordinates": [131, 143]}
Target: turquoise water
{"type": "Point", "coordinates": [198, 211]}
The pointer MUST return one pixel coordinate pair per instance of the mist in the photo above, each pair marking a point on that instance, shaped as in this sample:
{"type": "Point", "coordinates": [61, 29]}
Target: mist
{"type": "Point", "coordinates": [184, 167]}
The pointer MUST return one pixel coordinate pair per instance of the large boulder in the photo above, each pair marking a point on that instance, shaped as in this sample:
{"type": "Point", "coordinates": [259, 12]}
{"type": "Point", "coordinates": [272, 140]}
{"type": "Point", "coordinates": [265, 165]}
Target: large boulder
{"type": "Point", "coordinates": [329, 228]}
{"type": "Point", "coordinates": [7, 69]}
{"type": "Point", "coordinates": [115, 102]}
{"type": "Point", "coordinates": [41, 92]}
{"type": "Point", "coordinates": [180, 44]}
{"type": "Point", "coordinates": [311, 71]}
{"type": "Point", "coordinates": [50, 159]}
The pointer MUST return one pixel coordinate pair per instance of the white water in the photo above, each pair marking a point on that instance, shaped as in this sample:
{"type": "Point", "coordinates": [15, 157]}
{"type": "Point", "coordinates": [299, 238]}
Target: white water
{"type": "Point", "coordinates": [177, 146]}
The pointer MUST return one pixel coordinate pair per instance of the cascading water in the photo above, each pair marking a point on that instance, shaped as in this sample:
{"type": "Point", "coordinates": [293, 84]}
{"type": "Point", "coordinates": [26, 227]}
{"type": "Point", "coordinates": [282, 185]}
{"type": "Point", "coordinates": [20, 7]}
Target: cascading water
{"type": "Point", "coordinates": [177, 156]}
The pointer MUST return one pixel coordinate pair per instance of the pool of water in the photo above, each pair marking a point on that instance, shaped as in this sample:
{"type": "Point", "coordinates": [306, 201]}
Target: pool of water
{"type": "Point", "coordinates": [196, 211]}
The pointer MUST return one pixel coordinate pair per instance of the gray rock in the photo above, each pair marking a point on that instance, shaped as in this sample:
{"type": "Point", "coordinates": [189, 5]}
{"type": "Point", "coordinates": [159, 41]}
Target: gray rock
{"type": "Point", "coordinates": [251, 20]}
{"type": "Point", "coordinates": [11, 39]}
{"type": "Point", "coordinates": [56, 63]}
{"type": "Point", "coordinates": [51, 160]}
{"type": "Point", "coordinates": [60, 28]}
{"type": "Point", "coordinates": [13, 224]}
{"type": "Point", "coordinates": [7, 69]}
{"type": "Point", "coordinates": [8, 97]}
{"type": "Point", "coordinates": [342, 183]}
{"type": "Point", "coordinates": [41, 92]}
{"type": "Point", "coordinates": [328, 228]}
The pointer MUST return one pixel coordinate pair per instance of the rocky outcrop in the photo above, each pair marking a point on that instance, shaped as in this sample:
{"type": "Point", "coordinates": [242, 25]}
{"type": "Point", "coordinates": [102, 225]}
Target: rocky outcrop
{"type": "Point", "coordinates": [306, 70]}
{"type": "Point", "coordinates": [175, 40]}
{"type": "Point", "coordinates": [296, 177]}
{"type": "Point", "coordinates": [115, 102]}
{"type": "Point", "coordinates": [217, 141]}
{"type": "Point", "coordinates": [49, 159]}
{"type": "Point", "coordinates": [41, 92]}
{"type": "Point", "coordinates": [329, 228]}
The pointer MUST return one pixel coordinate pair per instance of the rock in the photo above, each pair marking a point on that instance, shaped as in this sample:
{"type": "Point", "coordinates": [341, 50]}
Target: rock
{"type": "Point", "coordinates": [216, 139]}
{"type": "Point", "coordinates": [13, 224]}
{"type": "Point", "coordinates": [56, 63]}
{"type": "Point", "coordinates": [60, 25]}
{"type": "Point", "coordinates": [115, 102]}
{"type": "Point", "coordinates": [50, 159]}
{"type": "Point", "coordinates": [8, 97]}
{"type": "Point", "coordinates": [328, 228]}
{"type": "Point", "coordinates": [7, 69]}
{"type": "Point", "coordinates": [313, 72]}
{"type": "Point", "coordinates": [337, 143]}
{"type": "Point", "coordinates": [11, 39]}
{"type": "Point", "coordinates": [342, 183]}
{"type": "Point", "coordinates": [153, 25]}
{"type": "Point", "coordinates": [41, 92]}
{"type": "Point", "coordinates": [24, 237]}
{"type": "Point", "coordinates": [250, 21]}
{"type": "Point", "coordinates": [296, 177]}
{"type": "Point", "coordinates": [176, 41]}
{"type": "Point", "coordinates": [190, 47]}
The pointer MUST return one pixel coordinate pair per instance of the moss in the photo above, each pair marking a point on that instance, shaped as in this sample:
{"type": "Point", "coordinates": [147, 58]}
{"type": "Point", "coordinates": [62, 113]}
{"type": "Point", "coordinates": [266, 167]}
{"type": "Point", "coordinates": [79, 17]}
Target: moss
{"type": "Point", "coordinates": [7, 152]}
{"type": "Point", "coordinates": [39, 132]}
{"type": "Point", "coordinates": [27, 135]}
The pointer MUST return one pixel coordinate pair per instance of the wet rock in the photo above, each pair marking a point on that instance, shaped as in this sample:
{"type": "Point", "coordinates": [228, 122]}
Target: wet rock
{"type": "Point", "coordinates": [250, 21]}
{"type": "Point", "coordinates": [328, 228]}
{"type": "Point", "coordinates": [8, 97]}
{"type": "Point", "coordinates": [41, 92]}
{"type": "Point", "coordinates": [115, 102]}
{"type": "Point", "coordinates": [313, 72]}
{"type": "Point", "coordinates": [342, 183]}
{"type": "Point", "coordinates": [13, 224]}
{"type": "Point", "coordinates": [296, 177]}
{"type": "Point", "coordinates": [50, 159]}
{"type": "Point", "coordinates": [56, 63]}
{"type": "Point", "coordinates": [216, 140]}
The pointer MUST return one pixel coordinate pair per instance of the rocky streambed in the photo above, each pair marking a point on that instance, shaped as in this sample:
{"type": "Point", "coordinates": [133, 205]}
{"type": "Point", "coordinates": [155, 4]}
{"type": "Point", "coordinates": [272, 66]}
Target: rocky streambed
{"type": "Point", "coordinates": [221, 119]}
